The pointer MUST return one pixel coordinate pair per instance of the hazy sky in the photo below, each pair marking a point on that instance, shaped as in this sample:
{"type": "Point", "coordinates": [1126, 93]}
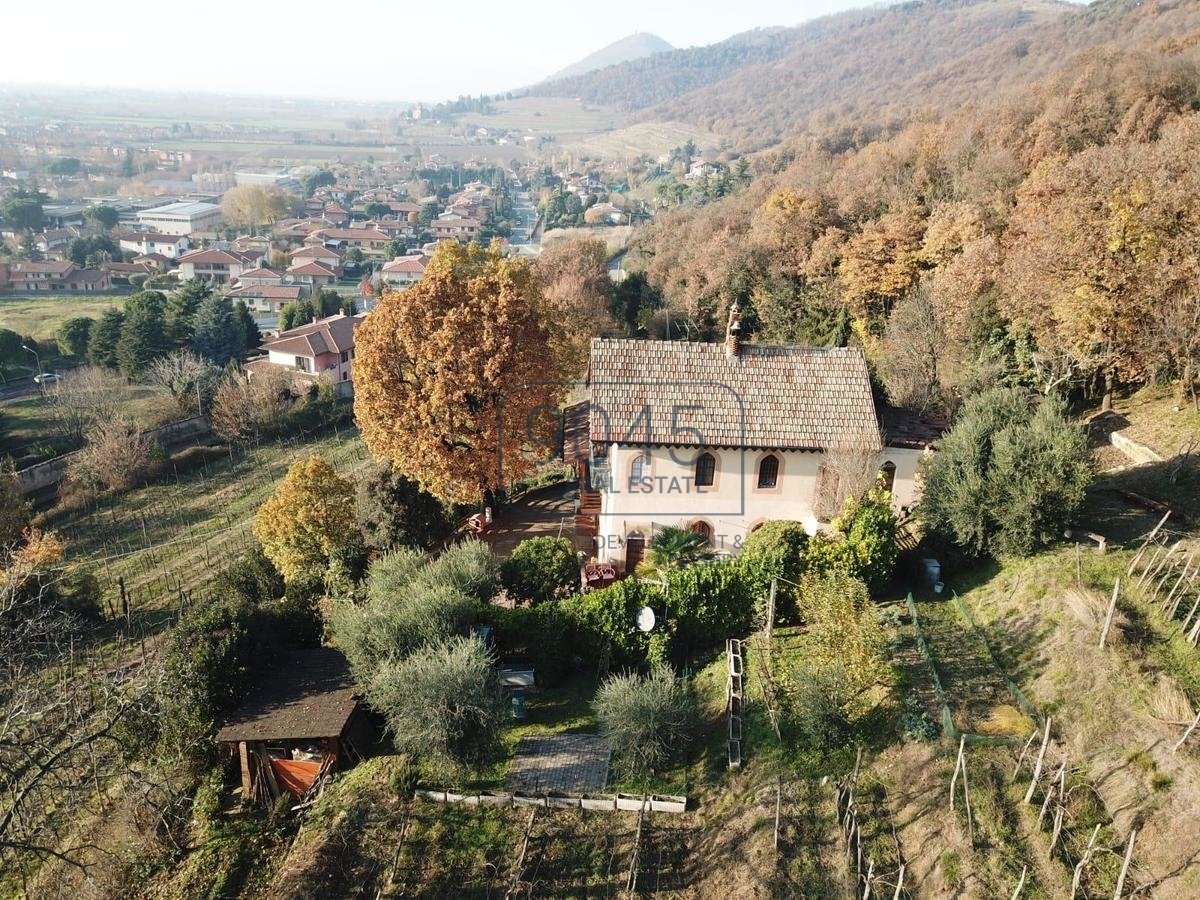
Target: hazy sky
{"type": "Point", "coordinates": [368, 49]}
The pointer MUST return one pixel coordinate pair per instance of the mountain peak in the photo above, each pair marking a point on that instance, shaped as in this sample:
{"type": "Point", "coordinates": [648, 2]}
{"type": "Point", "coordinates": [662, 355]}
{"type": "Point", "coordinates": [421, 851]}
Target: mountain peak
{"type": "Point", "coordinates": [636, 46]}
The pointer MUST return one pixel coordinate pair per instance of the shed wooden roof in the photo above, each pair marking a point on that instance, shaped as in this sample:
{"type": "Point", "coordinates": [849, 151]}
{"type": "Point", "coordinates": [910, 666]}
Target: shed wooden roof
{"type": "Point", "coordinates": [309, 695]}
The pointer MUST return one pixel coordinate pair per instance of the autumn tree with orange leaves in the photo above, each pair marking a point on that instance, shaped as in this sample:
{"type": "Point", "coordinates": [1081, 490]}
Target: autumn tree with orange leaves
{"type": "Point", "coordinates": [457, 379]}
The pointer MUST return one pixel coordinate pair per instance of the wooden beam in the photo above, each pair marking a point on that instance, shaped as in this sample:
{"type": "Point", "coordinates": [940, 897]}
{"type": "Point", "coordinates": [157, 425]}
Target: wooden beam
{"type": "Point", "coordinates": [247, 782]}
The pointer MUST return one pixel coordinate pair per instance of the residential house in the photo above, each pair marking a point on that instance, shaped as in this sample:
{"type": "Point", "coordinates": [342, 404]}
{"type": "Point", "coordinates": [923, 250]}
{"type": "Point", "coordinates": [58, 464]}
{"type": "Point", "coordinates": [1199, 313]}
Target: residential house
{"type": "Point", "coordinates": [368, 240]}
{"type": "Point", "coordinates": [216, 266]}
{"type": "Point", "coordinates": [310, 273]}
{"type": "Point", "coordinates": [63, 277]}
{"type": "Point", "coordinates": [404, 270]}
{"type": "Point", "coordinates": [719, 438]}
{"type": "Point", "coordinates": [268, 298]}
{"type": "Point", "coordinates": [260, 244]}
{"type": "Point", "coordinates": [393, 228]}
{"type": "Point", "coordinates": [124, 270]}
{"type": "Point", "coordinates": [319, 253]}
{"type": "Point", "coordinates": [172, 246]}
{"type": "Point", "coordinates": [454, 227]}
{"type": "Point", "coordinates": [156, 261]}
{"type": "Point", "coordinates": [259, 276]}
{"type": "Point", "coordinates": [604, 214]}
{"type": "Point", "coordinates": [322, 347]}
{"type": "Point", "coordinates": [55, 239]}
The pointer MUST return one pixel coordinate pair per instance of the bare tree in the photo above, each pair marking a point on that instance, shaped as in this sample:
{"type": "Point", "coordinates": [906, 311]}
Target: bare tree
{"type": "Point", "coordinates": [63, 705]}
{"type": "Point", "coordinates": [82, 397]}
{"type": "Point", "coordinates": [115, 455]}
{"type": "Point", "coordinates": [848, 470]}
{"type": "Point", "coordinates": [247, 409]}
{"type": "Point", "coordinates": [912, 345]}
{"type": "Point", "coordinates": [186, 376]}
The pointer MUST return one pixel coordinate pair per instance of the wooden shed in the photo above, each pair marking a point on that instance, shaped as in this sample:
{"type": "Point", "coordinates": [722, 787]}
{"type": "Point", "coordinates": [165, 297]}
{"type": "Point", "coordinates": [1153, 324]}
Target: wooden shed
{"type": "Point", "coordinates": [302, 720]}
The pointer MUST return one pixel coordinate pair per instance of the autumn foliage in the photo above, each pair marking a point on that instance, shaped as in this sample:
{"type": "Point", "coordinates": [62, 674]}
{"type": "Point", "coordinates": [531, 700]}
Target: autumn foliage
{"type": "Point", "coordinates": [308, 518]}
{"type": "Point", "coordinates": [1044, 238]}
{"type": "Point", "coordinates": [457, 378]}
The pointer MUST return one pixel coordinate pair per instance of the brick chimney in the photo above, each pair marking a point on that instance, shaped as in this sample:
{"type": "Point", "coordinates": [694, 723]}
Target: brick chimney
{"type": "Point", "coordinates": [733, 333]}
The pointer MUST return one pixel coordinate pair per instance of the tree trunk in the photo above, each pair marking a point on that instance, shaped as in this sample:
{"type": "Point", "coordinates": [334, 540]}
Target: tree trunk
{"type": "Point", "coordinates": [1186, 382]}
{"type": "Point", "coordinates": [1106, 404]}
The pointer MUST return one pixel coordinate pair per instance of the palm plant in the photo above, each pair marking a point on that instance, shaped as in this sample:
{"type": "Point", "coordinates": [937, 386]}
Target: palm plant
{"type": "Point", "coordinates": [673, 548]}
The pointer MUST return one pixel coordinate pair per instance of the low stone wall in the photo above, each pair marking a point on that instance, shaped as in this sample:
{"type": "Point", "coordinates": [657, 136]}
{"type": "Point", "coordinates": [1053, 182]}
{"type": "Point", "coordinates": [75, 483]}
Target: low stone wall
{"type": "Point", "coordinates": [44, 475]}
{"type": "Point", "coordinates": [1135, 450]}
{"type": "Point", "coordinates": [668, 803]}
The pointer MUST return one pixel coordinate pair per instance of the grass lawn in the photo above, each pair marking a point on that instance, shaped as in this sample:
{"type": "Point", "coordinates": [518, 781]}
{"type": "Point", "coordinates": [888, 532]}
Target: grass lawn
{"type": "Point", "coordinates": [1157, 418]}
{"type": "Point", "coordinates": [28, 435]}
{"type": "Point", "coordinates": [40, 316]}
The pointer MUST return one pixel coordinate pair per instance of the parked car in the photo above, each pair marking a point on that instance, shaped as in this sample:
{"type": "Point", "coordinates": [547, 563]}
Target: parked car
{"type": "Point", "coordinates": [46, 378]}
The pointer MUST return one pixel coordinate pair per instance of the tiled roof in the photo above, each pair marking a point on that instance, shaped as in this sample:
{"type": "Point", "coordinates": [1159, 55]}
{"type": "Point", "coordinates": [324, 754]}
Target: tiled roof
{"type": "Point", "coordinates": [415, 263]}
{"type": "Point", "coordinates": [51, 268]}
{"type": "Point", "coordinates": [332, 334]}
{"type": "Point", "coordinates": [770, 396]}
{"type": "Point", "coordinates": [350, 234]}
{"type": "Point", "coordinates": [316, 252]}
{"type": "Point", "coordinates": [218, 256]}
{"type": "Point", "coordinates": [260, 272]}
{"type": "Point", "coordinates": [311, 268]}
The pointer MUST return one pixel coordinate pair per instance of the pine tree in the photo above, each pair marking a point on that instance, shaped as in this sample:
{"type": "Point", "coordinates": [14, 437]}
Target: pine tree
{"type": "Point", "coordinates": [102, 344]}
{"type": "Point", "coordinates": [251, 336]}
{"type": "Point", "coordinates": [181, 311]}
{"type": "Point", "coordinates": [143, 334]}
{"type": "Point", "coordinates": [217, 335]}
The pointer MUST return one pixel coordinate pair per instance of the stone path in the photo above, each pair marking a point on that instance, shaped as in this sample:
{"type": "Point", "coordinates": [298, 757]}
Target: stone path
{"type": "Point", "coordinates": [565, 763]}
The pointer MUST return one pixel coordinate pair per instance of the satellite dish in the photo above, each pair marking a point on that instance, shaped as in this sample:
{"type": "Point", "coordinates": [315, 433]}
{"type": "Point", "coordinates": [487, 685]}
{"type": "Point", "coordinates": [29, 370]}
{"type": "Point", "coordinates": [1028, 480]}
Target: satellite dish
{"type": "Point", "coordinates": [645, 619]}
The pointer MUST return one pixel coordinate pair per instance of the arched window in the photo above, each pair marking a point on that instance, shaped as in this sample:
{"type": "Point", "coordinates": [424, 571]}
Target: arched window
{"type": "Point", "coordinates": [768, 471]}
{"type": "Point", "coordinates": [706, 469]}
{"type": "Point", "coordinates": [640, 468]}
{"type": "Point", "coordinates": [887, 476]}
{"type": "Point", "coordinates": [703, 529]}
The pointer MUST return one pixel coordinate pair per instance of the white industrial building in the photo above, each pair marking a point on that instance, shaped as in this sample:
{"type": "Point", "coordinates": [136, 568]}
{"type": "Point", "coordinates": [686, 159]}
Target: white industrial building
{"type": "Point", "coordinates": [184, 217]}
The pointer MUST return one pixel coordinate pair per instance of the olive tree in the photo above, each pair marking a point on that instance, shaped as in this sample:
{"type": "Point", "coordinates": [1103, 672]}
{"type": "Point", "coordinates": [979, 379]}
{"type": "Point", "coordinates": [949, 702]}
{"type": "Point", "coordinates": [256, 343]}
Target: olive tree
{"type": "Point", "coordinates": [442, 703]}
{"type": "Point", "coordinates": [646, 719]}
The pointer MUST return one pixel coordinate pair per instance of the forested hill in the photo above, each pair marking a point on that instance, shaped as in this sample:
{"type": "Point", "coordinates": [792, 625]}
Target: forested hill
{"type": "Point", "coordinates": [635, 46]}
{"type": "Point", "coordinates": [653, 79]}
{"type": "Point", "coordinates": [867, 71]}
{"type": "Point", "coordinates": [869, 67]}
{"type": "Point", "coordinates": [1039, 234]}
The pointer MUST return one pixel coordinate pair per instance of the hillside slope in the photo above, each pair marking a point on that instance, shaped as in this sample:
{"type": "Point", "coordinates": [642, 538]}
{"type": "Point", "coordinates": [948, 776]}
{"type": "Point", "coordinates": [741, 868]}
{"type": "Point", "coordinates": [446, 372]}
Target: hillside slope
{"type": "Point", "coordinates": [870, 67]}
{"type": "Point", "coordinates": [627, 49]}
{"type": "Point", "coordinates": [654, 79]}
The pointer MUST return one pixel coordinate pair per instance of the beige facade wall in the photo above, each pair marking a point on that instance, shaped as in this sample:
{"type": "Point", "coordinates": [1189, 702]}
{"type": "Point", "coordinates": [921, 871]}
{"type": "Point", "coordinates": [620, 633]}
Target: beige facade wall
{"type": "Point", "coordinates": [733, 506]}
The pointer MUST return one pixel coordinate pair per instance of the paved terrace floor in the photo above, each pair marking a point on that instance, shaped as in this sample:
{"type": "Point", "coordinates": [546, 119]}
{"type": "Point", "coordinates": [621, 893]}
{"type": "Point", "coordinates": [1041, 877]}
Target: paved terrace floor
{"type": "Point", "coordinates": [565, 763]}
{"type": "Point", "coordinates": [546, 512]}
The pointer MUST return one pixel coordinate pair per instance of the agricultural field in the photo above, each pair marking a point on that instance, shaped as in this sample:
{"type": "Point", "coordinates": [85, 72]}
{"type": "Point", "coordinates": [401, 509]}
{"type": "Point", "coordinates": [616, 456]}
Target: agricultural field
{"type": "Point", "coordinates": [615, 237]}
{"type": "Point", "coordinates": [169, 538]}
{"type": "Point", "coordinates": [642, 138]}
{"type": "Point", "coordinates": [560, 116]}
{"type": "Point", "coordinates": [28, 433]}
{"type": "Point", "coordinates": [40, 316]}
